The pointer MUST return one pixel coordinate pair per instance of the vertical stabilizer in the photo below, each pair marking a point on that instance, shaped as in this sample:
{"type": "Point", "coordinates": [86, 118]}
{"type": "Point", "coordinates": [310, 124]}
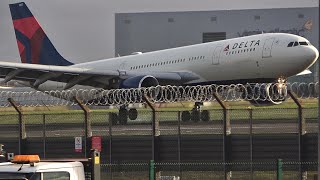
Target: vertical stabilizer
{"type": "Point", "coordinates": [34, 45]}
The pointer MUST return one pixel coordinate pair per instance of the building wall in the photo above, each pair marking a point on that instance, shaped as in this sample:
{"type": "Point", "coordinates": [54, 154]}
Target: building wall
{"type": "Point", "coordinates": [135, 32]}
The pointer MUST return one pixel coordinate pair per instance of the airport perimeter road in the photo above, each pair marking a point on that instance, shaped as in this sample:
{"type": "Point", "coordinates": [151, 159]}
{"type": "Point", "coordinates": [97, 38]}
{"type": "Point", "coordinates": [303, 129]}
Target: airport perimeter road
{"type": "Point", "coordinates": [72, 130]}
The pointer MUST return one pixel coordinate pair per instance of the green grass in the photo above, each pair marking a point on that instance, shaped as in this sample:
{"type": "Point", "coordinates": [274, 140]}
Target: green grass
{"type": "Point", "coordinates": [167, 112]}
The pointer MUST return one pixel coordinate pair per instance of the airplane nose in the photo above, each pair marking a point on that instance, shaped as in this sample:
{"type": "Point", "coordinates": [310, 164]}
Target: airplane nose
{"type": "Point", "coordinates": [311, 55]}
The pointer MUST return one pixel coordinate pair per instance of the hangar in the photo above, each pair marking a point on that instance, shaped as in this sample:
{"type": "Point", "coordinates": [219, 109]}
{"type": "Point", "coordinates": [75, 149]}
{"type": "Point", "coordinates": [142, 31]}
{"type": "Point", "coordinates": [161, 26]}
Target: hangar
{"type": "Point", "coordinates": [149, 31]}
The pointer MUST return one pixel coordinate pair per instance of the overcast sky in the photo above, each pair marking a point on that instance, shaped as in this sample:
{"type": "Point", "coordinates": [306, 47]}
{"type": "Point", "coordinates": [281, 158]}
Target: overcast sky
{"type": "Point", "coordinates": [80, 29]}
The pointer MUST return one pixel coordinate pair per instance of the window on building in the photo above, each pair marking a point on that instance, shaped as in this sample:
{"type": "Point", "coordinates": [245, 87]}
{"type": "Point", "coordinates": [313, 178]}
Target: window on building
{"type": "Point", "coordinates": [170, 20]}
{"type": "Point", "coordinates": [213, 19]}
{"type": "Point", "coordinates": [213, 36]}
{"type": "Point", "coordinates": [127, 21]}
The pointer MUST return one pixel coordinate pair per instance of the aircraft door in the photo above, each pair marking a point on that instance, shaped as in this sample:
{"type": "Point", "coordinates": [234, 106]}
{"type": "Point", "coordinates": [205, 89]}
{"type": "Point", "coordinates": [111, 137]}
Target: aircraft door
{"type": "Point", "coordinates": [216, 55]}
{"type": "Point", "coordinates": [267, 48]}
{"type": "Point", "coordinates": [122, 68]}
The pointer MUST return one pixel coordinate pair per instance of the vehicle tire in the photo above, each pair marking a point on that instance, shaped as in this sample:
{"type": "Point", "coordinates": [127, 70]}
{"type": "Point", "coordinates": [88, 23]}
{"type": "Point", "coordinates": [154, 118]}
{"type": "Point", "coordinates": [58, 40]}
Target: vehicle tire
{"type": "Point", "coordinates": [123, 116]}
{"type": "Point", "coordinates": [195, 115]}
{"type": "Point", "coordinates": [114, 118]}
{"type": "Point", "coordinates": [133, 114]}
{"type": "Point", "coordinates": [185, 116]}
{"type": "Point", "coordinates": [205, 116]}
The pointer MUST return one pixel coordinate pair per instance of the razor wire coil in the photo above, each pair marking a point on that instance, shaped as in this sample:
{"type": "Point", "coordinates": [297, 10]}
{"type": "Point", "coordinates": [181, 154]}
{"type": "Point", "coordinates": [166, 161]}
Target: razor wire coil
{"type": "Point", "coordinates": [161, 94]}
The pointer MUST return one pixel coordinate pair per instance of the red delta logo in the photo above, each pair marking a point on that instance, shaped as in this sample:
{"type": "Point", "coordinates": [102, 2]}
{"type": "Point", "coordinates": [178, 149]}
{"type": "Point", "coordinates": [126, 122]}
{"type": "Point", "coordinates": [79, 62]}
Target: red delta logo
{"type": "Point", "coordinates": [226, 48]}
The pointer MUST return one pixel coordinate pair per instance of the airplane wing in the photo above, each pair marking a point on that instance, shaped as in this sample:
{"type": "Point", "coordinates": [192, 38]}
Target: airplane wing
{"type": "Point", "coordinates": [37, 74]}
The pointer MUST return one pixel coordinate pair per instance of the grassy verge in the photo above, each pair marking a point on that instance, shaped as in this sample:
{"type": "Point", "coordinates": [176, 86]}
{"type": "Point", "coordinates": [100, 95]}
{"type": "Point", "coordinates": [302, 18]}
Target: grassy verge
{"type": "Point", "coordinates": [166, 112]}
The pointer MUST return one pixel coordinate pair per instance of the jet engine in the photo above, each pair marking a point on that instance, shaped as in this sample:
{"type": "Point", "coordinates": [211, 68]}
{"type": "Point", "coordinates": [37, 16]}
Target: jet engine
{"type": "Point", "coordinates": [132, 82]}
{"type": "Point", "coordinates": [139, 81]}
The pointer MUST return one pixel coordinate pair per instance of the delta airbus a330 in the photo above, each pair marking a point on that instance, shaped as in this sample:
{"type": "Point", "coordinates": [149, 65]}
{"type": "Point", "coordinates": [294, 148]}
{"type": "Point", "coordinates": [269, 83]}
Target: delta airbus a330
{"type": "Point", "coordinates": [257, 58]}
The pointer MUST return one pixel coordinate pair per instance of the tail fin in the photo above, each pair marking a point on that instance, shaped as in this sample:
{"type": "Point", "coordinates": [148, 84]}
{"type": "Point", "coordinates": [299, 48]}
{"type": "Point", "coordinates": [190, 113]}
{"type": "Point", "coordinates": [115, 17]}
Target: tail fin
{"type": "Point", "coordinates": [34, 45]}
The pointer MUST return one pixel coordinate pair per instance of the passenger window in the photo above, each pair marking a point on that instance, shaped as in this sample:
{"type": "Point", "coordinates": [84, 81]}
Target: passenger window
{"type": "Point", "coordinates": [290, 44]}
{"type": "Point", "coordinates": [296, 44]}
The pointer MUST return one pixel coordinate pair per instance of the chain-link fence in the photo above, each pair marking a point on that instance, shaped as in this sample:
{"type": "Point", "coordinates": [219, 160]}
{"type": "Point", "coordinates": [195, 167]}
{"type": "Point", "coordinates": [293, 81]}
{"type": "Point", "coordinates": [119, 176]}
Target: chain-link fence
{"type": "Point", "coordinates": [195, 171]}
{"type": "Point", "coordinates": [210, 148]}
{"type": "Point", "coordinates": [226, 138]}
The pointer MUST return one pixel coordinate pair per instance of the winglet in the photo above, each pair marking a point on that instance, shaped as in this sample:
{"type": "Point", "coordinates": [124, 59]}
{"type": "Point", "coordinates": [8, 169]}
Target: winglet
{"type": "Point", "coordinates": [34, 45]}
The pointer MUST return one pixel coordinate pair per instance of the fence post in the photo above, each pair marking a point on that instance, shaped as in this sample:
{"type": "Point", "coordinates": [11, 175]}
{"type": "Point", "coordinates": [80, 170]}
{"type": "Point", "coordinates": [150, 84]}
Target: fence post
{"type": "Point", "coordinates": [95, 165]}
{"type": "Point", "coordinates": [151, 170]}
{"type": "Point", "coordinates": [110, 144]}
{"type": "Point", "coordinates": [155, 133]}
{"type": "Point", "coordinates": [22, 127]}
{"type": "Point", "coordinates": [87, 127]}
{"type": "Point", "coordinates": [226, 135]}
{"type": "Point", "coordinates": [279, 169]}
{"type": "Point", "coordinates": [251, 142]}
{"type": "Point", "coordinates": [179, 143]}
{"type": "Point", "coordinates": [302, 130]}
{"type": "Point", "coordinates": [44, 127]}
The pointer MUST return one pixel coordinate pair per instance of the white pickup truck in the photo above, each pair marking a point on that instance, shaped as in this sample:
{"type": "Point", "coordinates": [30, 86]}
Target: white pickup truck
{"type": "Point", "coordinates": [30, 167]}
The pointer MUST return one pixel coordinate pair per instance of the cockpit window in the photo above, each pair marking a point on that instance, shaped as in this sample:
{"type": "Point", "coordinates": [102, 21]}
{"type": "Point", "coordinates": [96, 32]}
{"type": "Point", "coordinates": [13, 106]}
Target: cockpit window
{"type": "Point", "coordinates": [303, 43]}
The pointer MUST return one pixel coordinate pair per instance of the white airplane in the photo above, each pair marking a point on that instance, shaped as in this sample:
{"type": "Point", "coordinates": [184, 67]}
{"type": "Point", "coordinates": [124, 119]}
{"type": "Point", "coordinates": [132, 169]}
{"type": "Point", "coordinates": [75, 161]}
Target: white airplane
{"type": "Point", "coordinates": [269, 57]}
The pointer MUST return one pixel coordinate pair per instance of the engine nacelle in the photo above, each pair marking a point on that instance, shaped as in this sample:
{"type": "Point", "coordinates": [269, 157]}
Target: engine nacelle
{"type": "Point", "coordinates": [139, 81]}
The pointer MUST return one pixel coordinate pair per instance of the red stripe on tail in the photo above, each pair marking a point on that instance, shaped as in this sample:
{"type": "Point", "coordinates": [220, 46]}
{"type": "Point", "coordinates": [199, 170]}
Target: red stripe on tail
{"type": "Point", "coordinates": [36, 43]}
{"type": "Point", "coordinates": [27, 26]}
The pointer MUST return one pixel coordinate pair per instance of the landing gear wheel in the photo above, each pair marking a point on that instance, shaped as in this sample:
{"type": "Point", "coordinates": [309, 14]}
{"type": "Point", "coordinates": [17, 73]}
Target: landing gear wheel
{"type": "Point", "coordinates": [195, 115]}
{"type": "Point", "coordinates": [123, 116]}
{"type": "Point", "coordinates": [185, 116]}
{"type": "Point", "coordinates": [114, 118]}
{"type": "Point", "coordinates": [133, 114]}
{"type": "Point", "coordinates": [205, 115]}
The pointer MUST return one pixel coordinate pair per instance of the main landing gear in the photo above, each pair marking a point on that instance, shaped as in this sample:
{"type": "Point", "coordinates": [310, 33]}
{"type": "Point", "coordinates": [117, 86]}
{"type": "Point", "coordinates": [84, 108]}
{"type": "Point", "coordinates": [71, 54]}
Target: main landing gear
{"type": "Point", "coordinates": [123, 115]}
{"type": "Point", "coordinates": [196, 114]}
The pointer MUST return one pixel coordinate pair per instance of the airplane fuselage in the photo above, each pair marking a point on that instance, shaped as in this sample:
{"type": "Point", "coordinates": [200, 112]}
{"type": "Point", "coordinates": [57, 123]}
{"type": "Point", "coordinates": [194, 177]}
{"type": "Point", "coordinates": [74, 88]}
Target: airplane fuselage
{"type": "Point", "coordinates": [257, 58]}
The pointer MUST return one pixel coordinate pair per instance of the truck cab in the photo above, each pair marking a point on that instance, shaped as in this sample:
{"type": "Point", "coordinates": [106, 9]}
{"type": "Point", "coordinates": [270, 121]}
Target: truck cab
{"type": "Point", "coordinates": [30, 167]}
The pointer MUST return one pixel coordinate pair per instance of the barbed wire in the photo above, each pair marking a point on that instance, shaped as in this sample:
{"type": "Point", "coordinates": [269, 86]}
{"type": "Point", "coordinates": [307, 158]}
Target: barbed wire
{"type": "Point", "coordinates": [259, 92]}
